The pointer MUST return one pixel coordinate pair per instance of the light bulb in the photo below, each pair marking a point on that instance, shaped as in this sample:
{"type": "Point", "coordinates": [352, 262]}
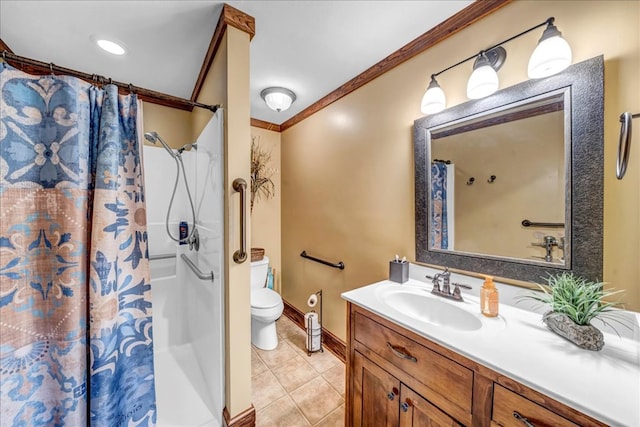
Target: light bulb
{"type": "Point", "coordinates": [484, 79]}
{"type": "Point", "coordinates": [552, 55]}
{"type": "Point", "coordinates": [433, 100]}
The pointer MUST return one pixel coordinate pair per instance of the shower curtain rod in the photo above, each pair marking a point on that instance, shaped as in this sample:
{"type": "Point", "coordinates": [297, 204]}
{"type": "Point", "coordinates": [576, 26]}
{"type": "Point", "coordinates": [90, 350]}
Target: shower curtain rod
{"type": "Point", "coordinates": [35, 66]}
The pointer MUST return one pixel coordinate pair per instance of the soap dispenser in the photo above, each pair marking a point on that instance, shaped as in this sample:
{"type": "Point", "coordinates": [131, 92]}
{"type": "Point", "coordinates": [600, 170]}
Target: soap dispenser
{"type": "Point", "coordinates": [489, 298]}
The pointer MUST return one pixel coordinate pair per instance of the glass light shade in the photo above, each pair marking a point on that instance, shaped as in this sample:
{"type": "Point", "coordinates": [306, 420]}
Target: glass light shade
{"type": "Point", "coordinates": [551, 56]}
{"type": "Point", "coordinates": [483, 81]}
{"type": "Point", "coordinates": [278, 98]}
{"type": "Point", "coordinates": [433, 100]}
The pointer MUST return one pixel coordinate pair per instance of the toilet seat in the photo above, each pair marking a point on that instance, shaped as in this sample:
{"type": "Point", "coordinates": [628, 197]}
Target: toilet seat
{"type": "Point", "coordinates": [265, 298]}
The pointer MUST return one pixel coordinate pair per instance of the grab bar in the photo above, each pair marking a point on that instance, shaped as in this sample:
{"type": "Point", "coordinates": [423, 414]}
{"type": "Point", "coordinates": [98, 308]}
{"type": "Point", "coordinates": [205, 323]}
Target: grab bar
{"type": "Point", "coordinates": [161, 256]}
{"type": "Point", "coordinates": [624, 143]}
{"type": "Point", "coordinates": [527, 223]}
{"type": "Point", "coordinates": [240, 185]}
{"type": "Point", "coordinates": [195, 269]}
{"type": "Point", "coordinates": [339, 265]}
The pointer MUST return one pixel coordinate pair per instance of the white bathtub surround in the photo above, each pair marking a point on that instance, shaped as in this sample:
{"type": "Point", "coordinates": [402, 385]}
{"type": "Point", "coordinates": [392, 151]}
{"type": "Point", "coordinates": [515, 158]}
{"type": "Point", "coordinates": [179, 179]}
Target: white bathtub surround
{"type": "Point", "coordinates": [603, 384]}
{"type": "Point", "coordinates": [188, 316]}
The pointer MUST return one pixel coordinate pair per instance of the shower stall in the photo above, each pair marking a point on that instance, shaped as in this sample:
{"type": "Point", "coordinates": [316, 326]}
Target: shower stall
{"type": "Point", "coordinates": [188, 311]}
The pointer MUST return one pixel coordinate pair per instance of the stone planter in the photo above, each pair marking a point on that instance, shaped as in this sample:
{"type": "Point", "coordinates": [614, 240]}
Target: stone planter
{"type": "Point", "coordinates": [584, 336]}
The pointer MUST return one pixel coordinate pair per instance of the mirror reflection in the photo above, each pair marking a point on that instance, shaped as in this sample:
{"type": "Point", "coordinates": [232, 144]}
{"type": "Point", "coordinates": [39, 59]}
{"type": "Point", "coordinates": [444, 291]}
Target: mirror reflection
{"type": "Point", "coordinates": [499, 183]}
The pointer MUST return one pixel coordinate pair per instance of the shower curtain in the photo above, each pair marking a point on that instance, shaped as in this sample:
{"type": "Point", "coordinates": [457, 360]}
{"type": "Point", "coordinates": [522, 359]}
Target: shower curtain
{"type": "Point", "coordinates": [439, 214]}
{"type": "Point", "coordinates": [75, 299]}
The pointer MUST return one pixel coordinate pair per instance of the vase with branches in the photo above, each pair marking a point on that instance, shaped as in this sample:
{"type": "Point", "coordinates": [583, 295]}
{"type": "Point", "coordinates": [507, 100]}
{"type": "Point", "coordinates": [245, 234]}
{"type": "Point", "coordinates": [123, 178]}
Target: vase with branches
{"type": "Point", "coordinates": [262, 185]}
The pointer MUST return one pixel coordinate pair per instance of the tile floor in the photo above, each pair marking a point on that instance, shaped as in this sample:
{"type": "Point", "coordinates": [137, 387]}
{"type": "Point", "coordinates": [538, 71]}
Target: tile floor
{"type": "Point", "coordinates": [291, 389]}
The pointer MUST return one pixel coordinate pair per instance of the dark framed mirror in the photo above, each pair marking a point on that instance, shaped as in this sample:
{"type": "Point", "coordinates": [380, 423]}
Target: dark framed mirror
{"type": "Point", "coordinates": [522, 176]}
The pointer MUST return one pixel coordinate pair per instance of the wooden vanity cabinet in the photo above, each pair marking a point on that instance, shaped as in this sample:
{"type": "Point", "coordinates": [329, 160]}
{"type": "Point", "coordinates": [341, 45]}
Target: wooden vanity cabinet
{"type": "Point", "coordinates": [398, 378]}
{"type": "Point", "coordinates": [380, 399]}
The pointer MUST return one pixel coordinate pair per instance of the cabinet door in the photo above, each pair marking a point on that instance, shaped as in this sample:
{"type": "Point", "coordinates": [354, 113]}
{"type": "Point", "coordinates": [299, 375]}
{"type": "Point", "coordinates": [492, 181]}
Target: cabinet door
{"type": "Point", "coordinates": [375, 395]}
{"type": "Point", "coordinates": [415, 410]}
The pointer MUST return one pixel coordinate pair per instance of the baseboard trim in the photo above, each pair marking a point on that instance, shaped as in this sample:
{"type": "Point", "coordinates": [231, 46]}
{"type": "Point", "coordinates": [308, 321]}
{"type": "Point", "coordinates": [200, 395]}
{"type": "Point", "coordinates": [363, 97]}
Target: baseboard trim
{"type": "Point", "coordinates": [246, 418]}
{"type": "Point", "coordinates": [329, 340]}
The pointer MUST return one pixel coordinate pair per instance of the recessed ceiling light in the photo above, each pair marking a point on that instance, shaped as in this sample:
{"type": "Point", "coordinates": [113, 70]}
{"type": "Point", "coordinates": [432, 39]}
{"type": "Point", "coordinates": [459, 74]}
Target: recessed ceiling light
{"type": "Point", "coordinates": [111, 46]}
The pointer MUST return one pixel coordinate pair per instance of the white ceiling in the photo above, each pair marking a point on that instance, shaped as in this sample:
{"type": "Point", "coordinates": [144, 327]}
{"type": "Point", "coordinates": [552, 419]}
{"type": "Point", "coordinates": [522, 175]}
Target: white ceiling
{"type": "Point", "coordinates": [310, 47]}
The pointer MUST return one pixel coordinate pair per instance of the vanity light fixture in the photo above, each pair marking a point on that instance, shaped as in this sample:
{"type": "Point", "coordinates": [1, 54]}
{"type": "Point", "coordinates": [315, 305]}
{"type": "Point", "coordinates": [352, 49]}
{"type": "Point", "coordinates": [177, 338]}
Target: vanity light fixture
{"type": "Point", "coordinates": [278, 98]}
{"type": "Point", "coordinates": [484, 79]}
{"type": "Point", "coordinates": [551, 56]}
{"type": "Point", "coordinates": [433, 100]}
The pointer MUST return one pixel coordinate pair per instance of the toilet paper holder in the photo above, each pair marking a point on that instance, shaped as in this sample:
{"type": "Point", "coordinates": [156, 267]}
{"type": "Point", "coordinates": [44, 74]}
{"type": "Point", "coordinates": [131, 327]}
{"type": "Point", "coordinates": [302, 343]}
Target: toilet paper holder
{"type": "Point", "coordinates": [314, 334]}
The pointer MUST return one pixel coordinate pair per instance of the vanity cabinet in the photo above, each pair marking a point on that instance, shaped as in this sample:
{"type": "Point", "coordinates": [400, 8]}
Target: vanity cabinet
{"type": "Point", "coordinates": [396, 377]}
{"type": "Point", "coordinates": [380, 399]}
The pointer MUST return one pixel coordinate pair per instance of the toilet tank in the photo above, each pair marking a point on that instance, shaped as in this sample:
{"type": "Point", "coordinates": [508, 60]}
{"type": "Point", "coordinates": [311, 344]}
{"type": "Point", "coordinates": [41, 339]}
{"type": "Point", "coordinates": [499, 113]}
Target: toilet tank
{"type": "Point", "coordinates": [259, 270]}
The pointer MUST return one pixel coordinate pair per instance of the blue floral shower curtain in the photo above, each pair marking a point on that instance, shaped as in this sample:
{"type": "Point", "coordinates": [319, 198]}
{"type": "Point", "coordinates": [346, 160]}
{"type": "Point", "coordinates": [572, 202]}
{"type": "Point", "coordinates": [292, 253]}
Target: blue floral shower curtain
{"type": "Point", "coordinates": [75, 299]}
{"type": "Point", "coordinates": [439, 228]}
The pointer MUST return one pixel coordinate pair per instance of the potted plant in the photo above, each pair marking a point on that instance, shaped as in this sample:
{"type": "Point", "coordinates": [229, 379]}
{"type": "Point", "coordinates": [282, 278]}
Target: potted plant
{"type": "Point", "coordinates": [573, 302]}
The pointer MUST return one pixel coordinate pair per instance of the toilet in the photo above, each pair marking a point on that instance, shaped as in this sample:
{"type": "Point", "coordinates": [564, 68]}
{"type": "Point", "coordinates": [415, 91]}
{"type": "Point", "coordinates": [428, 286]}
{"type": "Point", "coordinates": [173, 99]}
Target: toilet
{"type": "Point", "coordinates": [266, 307]}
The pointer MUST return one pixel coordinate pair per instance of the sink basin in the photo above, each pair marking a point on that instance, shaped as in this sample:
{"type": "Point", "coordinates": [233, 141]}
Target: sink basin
{"type": "Point", "coordinates": [419, 305]}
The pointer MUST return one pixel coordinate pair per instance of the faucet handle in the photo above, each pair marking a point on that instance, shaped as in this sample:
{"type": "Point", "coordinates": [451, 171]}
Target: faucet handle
{"type": "Point", "coordinates": [457, 295]}
{"type": "Point", "coordinates": [436, 281]}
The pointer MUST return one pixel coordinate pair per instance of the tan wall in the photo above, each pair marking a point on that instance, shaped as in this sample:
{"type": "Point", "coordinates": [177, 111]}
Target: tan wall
{"type": "Point", "coordinates": [228, 84]}
{"type": "Point", "coordinates": [347, 171]}
{"type": "Point", "coordinates": [265, 219]}
{"type": "Point", "coordinates": [173, 125]}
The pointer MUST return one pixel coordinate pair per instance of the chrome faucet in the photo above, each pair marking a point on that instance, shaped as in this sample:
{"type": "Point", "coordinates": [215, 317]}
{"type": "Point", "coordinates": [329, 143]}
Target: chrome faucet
{"type": "Point", "coordinates": [445, 290]}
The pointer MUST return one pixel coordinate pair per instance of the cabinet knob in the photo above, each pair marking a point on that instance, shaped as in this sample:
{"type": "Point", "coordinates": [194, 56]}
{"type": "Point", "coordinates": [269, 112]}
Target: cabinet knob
{"type": "Point", "coordinates": [404, 406]}
{"type": "Point", "coordinates": [522, 419]}
{"type": "Point", "coordinates": [391, 395]}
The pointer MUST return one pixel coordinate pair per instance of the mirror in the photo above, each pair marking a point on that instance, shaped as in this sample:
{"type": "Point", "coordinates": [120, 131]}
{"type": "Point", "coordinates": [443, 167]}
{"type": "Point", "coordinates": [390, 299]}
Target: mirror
{"type": "Point", "coordinates": [511, 185]}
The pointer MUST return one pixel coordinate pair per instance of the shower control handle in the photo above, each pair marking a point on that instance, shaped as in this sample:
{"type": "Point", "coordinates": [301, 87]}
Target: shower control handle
{"type": "Point", "coordinates": [240, 185]}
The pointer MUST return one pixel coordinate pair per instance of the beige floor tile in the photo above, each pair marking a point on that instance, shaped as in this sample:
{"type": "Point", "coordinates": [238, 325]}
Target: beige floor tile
{"type": "Point", "coordinates": [257, 365]}
{"type": "Point", "coordinates": [336, 377]}
{"type": "Point", "coordinates": [265, 390]}
{"type": "Point", "coordinates": [323, 360]}
{"type": "Point", "coordinates": [316, 399]}
{"type": "Point", "coordinates": [298, 342]}
{"type": "Point", "coordinates": [283, 412]}
{"type": "Point", "coordinates": [287, 328]}
{"type": "Point", "coordinates": [278, 356]}
{"type": "Point", "coordinates": [334, 419]}
{"type": "Point", "coordinates": [294, 373]}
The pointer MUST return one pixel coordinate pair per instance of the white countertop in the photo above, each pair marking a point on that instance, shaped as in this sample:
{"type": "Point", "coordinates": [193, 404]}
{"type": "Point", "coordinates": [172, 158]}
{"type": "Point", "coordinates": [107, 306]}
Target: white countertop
{"type": "Point", "coordinates": [602, 384]}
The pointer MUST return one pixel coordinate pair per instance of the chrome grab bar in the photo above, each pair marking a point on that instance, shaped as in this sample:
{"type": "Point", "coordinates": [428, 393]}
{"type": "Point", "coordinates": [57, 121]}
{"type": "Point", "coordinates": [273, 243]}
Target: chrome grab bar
{"type": "Point", "coordinates": [195, 269]}
{"type": "Point", "coordinates": [624, 143]}
{"type": "Point", "coordinates": [161, 256]}
{"type": "Point", "coordinates": [240, 185]}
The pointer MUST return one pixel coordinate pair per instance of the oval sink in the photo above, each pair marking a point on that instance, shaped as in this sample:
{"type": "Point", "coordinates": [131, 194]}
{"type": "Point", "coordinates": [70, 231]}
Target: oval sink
{"type": "Point", "coordinates": [431, 310]}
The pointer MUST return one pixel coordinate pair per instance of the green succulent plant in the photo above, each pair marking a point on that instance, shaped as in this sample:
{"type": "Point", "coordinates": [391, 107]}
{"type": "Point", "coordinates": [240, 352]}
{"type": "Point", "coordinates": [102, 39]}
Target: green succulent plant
{"type": "Point", "coordinates": [578, 298]}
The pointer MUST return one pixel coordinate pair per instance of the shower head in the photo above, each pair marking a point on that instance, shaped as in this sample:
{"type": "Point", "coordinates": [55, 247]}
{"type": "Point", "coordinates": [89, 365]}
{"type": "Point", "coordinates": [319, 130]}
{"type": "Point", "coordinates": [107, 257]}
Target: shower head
{"type": "Point", "coordinates": [153, 138]}
{"type": "Point", "coordinates": [191, 146]}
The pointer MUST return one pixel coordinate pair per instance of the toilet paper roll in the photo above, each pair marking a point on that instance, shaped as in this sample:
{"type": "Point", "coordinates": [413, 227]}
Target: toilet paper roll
{"type": "Point", "coordinates": [313, 300]}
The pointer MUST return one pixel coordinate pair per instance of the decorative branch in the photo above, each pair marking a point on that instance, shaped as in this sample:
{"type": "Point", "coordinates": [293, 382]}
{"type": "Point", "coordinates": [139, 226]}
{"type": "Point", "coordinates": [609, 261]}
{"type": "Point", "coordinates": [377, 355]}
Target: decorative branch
{"type": "Point", "coordinates": [261, 173]}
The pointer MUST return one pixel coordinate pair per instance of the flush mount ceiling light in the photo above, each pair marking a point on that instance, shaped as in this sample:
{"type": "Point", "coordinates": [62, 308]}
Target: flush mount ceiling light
{"type": "Point", "coordinates": [551, 56]}
{"type": "Point", "coordinates": [278, 98]}
{"type": "Point", "coordinates": [109, 45]}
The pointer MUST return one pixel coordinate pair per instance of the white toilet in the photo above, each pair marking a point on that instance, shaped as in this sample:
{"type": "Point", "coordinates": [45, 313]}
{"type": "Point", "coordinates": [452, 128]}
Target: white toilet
{"type": "Point", "coordinates": [266, 307]}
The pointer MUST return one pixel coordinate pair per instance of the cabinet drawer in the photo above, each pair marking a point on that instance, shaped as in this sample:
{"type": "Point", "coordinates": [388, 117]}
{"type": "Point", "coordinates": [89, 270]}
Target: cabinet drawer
{"type": "Point", "coordinates": [442, 376]}
{"type": "Point", "coordinates": [506, 403]}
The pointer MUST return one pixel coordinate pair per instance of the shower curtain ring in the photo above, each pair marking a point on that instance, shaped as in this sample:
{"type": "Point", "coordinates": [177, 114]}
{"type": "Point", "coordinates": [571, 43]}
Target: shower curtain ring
{"type": "Point", "coordinates": [51, 68]}
{"type": "Point", "coordinates": [131, 89]}
{"type": "Point", "coordinates": [4, 55]}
